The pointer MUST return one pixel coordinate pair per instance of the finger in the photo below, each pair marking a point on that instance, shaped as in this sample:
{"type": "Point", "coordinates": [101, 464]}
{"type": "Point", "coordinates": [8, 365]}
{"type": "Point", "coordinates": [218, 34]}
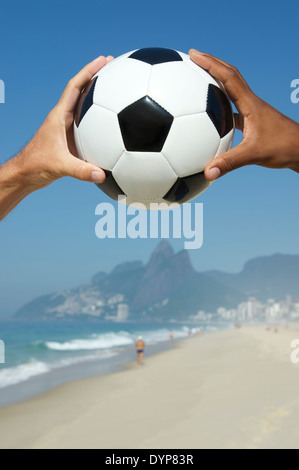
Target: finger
{"type": "Point", "coordinates": [210, 56]}
{"type": "Point", "coordinates": [218, 60]}
{"type": "Point", "coordinates": [76, 168]}
{"type": "Point", "coordinates": [239, 122]}
{"type": "Point", "coordinates": [235, 85]}
{"type": "Point", "coordinates": [73, 90]}
{"type": "Point", "coordinates": [109, 58]}
{"type": "Point", "coordinates": [237, 157]}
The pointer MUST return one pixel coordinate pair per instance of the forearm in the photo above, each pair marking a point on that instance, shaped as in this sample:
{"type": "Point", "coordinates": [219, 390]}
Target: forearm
{"type": "Point", "coordinates": [13, 186]}
{"type": "Point", "coordinates": [291, 142]}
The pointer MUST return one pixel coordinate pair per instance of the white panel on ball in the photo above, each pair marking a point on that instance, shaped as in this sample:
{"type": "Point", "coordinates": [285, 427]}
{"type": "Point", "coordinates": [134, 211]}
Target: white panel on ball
{"type": "Point", "coordinates": [178, 88]}
{"type": "Point", "coordinates": [100, 137]}
{"type": "Point", "coordinates": [122, 84]}
{"type": "Point", "coordinates": [225, 143]}
{"type": "Point", "coordinates": [144, 177]}
{"type": "Point", "coordinates": [157, 204]}
{"type": "Point", "coordinates": [191, 144]}
{"type": "Point", "coordinates": [112, 63]}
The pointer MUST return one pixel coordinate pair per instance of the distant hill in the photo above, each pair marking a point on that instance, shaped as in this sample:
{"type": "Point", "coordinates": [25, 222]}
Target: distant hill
{"type": "Point", "coordinates": [265, 277]}
{"type": "Point", "coordinates": [166, 288]}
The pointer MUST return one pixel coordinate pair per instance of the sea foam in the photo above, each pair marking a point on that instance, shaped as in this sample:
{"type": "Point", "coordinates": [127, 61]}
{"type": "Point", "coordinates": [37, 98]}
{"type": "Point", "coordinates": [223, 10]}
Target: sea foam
{"type": "Point", "coordinates": [104, 341]}
{"type": "Point", "coordinates": [22, 372]}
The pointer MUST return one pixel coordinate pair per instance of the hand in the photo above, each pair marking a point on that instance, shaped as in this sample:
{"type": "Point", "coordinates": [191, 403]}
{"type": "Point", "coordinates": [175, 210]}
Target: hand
{"type": "Point", "coordinates": [51, 154]}
{"type": "Point", "coordinates": [270, 139]}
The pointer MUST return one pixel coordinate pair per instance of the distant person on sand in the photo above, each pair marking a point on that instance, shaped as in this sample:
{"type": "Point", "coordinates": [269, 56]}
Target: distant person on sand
{"type": "Point", "coordinates": [140, 350]}
{"type": "Point", "coordinates": [171, 336]}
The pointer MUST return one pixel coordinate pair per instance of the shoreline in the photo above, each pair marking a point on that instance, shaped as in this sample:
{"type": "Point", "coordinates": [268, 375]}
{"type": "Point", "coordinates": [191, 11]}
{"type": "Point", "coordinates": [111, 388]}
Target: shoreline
{"type": "Point", "coordinates": [225, 389]}
{"type": "Point", "coordinates": [42, 383]}
{"type": "Point", "coordinates": [45, 359]}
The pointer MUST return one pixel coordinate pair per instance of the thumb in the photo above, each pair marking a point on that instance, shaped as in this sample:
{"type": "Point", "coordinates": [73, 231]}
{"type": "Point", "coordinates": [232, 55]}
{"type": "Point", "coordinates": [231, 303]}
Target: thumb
{"type": "Point", "coordinates": [235, 158]}
{"type": "Point", "coordinates": [81, 170]}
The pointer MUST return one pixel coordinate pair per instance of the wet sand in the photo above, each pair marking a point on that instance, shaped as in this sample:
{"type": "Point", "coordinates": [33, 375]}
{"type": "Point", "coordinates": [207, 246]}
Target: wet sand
{"type": "Point", "coordinates": [225, 389]}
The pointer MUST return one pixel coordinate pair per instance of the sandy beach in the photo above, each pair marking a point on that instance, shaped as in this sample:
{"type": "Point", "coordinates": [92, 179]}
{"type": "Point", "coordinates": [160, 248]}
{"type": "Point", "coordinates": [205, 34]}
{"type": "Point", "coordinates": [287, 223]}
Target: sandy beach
{"type": "Point", "coordinates": [225, 389]}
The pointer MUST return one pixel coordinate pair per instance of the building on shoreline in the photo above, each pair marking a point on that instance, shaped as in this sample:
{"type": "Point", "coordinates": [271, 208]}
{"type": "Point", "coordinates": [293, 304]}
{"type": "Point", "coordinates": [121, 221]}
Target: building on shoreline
{"type": "Point", "coordinates": [253, 309]}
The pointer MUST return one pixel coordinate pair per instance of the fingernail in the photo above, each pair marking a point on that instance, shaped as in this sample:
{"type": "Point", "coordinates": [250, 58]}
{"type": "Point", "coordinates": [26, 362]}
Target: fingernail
{"type": "Point", "coordinates": [213, 173]}
{"type": "Point", "coordinates": [101, 57]}
{"type": "Point", "coordinates": [97, 176]}
{"type": "Point", "coordinates": [194, 51]}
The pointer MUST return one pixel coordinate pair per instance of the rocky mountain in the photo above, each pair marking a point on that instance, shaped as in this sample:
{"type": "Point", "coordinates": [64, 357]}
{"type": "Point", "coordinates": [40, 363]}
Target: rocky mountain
{"type": "Point", "coordinates": [265, 277]}
{"type": "Point", "coordinates": [166, 288]}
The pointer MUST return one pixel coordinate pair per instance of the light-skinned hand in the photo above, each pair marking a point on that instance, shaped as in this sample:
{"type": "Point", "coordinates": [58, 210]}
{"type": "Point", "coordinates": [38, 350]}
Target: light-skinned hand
{"type": "Point", "coordinates": [51, 154]}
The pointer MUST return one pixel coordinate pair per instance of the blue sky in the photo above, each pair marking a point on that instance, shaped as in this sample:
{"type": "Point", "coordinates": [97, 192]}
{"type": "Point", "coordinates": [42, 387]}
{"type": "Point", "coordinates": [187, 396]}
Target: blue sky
{"type": "Point", "coordinates": [48, 242]}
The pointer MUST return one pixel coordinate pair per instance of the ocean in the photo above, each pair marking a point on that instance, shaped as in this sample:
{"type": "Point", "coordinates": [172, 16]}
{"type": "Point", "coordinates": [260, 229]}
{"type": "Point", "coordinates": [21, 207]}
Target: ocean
{"type": "Point", "coordinates": [43, 355]}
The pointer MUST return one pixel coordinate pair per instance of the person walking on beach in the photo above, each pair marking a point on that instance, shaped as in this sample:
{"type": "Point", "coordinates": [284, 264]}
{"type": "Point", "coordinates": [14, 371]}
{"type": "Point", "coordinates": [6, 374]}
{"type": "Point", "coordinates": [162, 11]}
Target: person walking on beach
{"type": "Point", "coordinates": [171, 336]}
{"type": "Point", "coordinates": [140, 350]}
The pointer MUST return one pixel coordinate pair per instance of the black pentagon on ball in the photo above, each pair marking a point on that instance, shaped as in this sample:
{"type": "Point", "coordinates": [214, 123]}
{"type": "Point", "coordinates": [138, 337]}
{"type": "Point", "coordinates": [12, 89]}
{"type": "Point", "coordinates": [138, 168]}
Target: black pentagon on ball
{"type": "Point", "coordinates": [187, 188]}
{"type": "Point", "coordinates": [85, 101]}
{"type": "Point", "coordinates": [144, 125]}
{"type": "Point", "coordinates": [156, 55]}
{"type": "Point", "coordinates": [110, 186]}
{"type": "Point", "coordinates": [219, 110]}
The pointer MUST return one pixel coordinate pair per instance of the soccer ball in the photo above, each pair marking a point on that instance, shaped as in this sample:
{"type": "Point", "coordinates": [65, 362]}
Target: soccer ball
{"type": "Point", "coordinates": [153, 119]}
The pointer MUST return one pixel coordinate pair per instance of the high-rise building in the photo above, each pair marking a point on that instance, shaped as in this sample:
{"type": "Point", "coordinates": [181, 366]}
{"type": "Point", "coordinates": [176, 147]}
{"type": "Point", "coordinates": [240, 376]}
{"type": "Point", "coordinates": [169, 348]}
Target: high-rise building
{"type": "Point", "coordinates": [122, 312]}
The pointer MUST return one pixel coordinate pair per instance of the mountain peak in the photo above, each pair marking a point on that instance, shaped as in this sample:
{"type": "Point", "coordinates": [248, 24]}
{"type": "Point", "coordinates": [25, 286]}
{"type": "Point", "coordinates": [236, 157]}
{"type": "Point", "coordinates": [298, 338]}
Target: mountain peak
{"type": "Point", "coordinates": [165, 272]}
{"type": "Point", "coordinates": [182, 260]}
{"type": "Point", "coordinates": [161, 253]}
{"type": "Point", "coordinates": [163, 248]}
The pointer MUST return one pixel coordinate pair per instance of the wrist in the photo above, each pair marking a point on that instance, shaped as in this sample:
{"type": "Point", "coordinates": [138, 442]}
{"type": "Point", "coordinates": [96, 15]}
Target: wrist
{"type": "Point", "coordinates": [294, 149]}
{"type": "Point", "coordinates": [14, 177]}
{"type": "Point", "coordinates": [13, 188]}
